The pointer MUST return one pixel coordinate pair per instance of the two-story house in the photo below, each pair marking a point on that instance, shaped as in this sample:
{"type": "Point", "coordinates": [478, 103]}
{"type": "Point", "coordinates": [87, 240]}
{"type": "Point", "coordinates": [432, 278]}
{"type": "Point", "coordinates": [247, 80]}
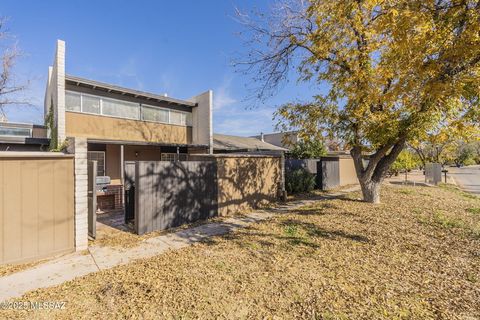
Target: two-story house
{"type": "Point", "coordinates": [111, 125]}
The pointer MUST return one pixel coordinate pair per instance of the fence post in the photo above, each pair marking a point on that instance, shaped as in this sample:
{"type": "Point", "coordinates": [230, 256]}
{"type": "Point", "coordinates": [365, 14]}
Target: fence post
{"type": "Point", "coordinates": [283, 195]}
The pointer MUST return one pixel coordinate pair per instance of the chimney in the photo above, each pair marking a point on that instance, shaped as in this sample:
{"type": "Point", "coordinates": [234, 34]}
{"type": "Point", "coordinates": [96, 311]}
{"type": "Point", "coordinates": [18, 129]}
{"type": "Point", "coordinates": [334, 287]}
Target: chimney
{"type": "Point", "coordinates": [261, 137]}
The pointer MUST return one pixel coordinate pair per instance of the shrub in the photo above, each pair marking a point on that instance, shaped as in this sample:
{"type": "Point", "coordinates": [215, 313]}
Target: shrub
{"type": "Point", "coordinates": [299, 180]}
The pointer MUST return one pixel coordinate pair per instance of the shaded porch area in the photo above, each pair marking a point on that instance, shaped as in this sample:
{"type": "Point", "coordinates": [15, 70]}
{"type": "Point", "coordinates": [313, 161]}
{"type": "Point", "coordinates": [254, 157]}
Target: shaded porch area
{"type": "Point", "coordinates": [114, 185]}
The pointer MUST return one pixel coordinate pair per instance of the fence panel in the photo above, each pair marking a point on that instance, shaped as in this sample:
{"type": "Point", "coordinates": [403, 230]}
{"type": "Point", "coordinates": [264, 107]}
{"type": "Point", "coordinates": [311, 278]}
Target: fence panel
{"type": "Point", "coordinates": [37, 207]}
{"type": "Point", "coordinates": [308, 164]}
{"type": "Point", "coordinates": [329, 173]}
{"type": "Point", "coordinates": [169, 194]}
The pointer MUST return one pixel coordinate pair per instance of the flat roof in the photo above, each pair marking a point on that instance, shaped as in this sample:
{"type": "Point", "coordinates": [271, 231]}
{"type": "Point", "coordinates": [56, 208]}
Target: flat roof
{"type": "Point", "coordinates": [126, 91]}
{"type": "Point", "coordinates": [145, 143]}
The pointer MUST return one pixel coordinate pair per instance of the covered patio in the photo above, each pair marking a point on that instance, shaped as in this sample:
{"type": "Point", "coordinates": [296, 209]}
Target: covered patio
{"type": "Point", "coordinates": [111, 157]}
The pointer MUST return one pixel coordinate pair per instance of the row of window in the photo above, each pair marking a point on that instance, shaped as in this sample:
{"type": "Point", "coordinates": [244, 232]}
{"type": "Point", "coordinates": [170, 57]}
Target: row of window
{"type": "Point", "coordinates": [15, 132]}
{"type": "Point", "coordinates": [85, 103]}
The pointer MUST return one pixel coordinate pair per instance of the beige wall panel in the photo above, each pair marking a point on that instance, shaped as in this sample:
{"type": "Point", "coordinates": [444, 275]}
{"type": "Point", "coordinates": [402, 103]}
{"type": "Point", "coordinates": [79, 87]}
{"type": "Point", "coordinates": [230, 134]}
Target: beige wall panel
{"type": "Point", "coordinates": [246, 183]}
{"type": "Point", "coordinates": [347, 172]}
{"type": "Point", "coordinates": [12, 207]}
{"type": "Point", "coordinates": [109, 128]}
{"type": "Point", "coordinates": [36, 208]}
{"type": "Point", "coordinates": [29, 182]}
{"type": "Point", "coordinates": [112, 163]}
{"type": "Point", "coordinates": [63, 220]}
{"type": "Point", "coordinates": [46, 207]}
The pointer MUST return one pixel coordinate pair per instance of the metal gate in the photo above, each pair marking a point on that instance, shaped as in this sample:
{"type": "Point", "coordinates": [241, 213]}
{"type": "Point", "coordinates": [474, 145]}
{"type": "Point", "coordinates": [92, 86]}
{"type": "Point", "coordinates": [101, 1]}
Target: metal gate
{"type": "Point", "coordinates": [92, 198]}
{"type": "Point", "coordinates": [328, 173]}
{"type": "Point", "coordinates": [169, 194]}
{"type": "Point", "coordinates": [129, 186]}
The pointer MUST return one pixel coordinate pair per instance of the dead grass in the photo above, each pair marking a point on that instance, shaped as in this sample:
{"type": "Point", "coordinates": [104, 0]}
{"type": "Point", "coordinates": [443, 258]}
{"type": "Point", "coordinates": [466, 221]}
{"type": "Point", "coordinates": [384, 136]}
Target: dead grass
{"type": "Point", "coordinates": [416, 256]}
{"type": "Point", "coordinates": [12, 268]}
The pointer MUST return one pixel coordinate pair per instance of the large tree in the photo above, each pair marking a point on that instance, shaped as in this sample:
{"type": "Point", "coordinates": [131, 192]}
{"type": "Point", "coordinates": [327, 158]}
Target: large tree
{"type": "Point", "coordinates": [392, 70]}
{"type": "Point", "coordinates": [9, 85]}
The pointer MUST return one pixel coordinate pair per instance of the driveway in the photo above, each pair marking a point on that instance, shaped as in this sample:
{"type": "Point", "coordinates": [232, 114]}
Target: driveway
{"type": "Point", "coordinates": [467, 178]}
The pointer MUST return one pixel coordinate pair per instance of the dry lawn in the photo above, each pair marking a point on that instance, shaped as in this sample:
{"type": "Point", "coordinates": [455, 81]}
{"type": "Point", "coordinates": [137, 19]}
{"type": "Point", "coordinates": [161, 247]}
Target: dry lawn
{"type": "Point", "coordinates": [416, 256]}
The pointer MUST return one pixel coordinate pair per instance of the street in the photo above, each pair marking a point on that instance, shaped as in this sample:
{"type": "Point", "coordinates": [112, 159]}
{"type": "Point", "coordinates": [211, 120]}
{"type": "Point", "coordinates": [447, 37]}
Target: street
{"type": "Point", "coordinates": [467, 178]}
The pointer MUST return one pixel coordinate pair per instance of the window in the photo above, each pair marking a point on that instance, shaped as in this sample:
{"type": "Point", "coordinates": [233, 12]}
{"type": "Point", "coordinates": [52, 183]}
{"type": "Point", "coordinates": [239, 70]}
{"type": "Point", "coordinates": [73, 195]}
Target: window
{"type": "Point", "coordinates": [90, 104]}
{"type": "Point", "coordinates": [80, 102]}
{"type": "Point", "coordinates": [177, 118]}
{"type": "Point", "coordinates": [173, 156]}
{"type": "Point", "coordinates": [168, 156]}
{"type": "Point", "coordinates": [121, 109]}
{"type": "Point", "coordinates": [98, 156]}
{"type": "Point", "coordinates": [73, 101]}
{"type": "Point", "coordinates": [15, 132]}
{"type": "Point", "coordinates": [154, 114]}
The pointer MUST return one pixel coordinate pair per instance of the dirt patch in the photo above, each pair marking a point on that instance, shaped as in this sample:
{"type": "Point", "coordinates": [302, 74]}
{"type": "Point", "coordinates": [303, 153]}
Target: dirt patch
{"type": "Point", "coordinates": [337, 259]}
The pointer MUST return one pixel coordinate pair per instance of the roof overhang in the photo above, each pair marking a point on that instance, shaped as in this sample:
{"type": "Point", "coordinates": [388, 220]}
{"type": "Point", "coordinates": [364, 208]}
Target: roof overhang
{"type": "Point", "coordinates": [109, 88]}
{"type": "Point", "coordinates": [146, 143]}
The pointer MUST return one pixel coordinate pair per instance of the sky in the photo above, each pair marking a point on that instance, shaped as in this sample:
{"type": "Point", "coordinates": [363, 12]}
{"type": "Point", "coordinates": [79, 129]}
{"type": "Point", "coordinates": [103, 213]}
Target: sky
{"type": "Point", "coordinates": [181, 48]}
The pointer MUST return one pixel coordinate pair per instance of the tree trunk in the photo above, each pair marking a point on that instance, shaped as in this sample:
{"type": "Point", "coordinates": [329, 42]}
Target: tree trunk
{"type": "Point", "coordinates": [371, 191]}
{"type": "Point", "coordinates": [371, 176]}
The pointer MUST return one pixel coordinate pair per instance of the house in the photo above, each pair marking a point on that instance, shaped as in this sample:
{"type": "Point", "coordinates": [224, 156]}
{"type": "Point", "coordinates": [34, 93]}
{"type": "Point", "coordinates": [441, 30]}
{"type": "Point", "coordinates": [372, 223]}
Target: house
{"type": "Point", "coordinates": [223, 143]}
{"type": "Point", "coordinates": [280, 139]}
{"type": "Point", "coordinates": [23, 137]}
{"type": "Point", "coordinates": [289, 139]}
{"type": "Point", "coordinates": [111, 124]}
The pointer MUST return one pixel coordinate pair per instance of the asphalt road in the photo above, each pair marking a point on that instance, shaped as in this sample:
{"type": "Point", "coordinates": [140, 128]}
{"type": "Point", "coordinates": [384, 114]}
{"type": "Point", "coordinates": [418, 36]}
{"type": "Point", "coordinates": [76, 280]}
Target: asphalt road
{"type": "Point", "coordinates": [467, 178]}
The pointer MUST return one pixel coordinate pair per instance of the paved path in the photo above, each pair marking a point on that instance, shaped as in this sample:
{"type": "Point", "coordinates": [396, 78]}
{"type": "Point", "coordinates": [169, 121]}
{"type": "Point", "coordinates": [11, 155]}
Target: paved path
{"type": "Point", "coordinates": [467, 178]}
{"type": "Point", "coordinates": [97, 258]}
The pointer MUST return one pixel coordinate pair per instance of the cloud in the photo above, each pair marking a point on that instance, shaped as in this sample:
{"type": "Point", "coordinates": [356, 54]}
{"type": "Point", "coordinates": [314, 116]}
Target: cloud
{"type": "Point", "coordinates": [222, 97]}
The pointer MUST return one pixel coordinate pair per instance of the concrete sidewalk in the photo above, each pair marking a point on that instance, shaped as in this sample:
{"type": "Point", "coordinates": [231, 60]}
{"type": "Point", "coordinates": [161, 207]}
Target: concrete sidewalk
{"type": "Point", "coordinates": [98, 258]}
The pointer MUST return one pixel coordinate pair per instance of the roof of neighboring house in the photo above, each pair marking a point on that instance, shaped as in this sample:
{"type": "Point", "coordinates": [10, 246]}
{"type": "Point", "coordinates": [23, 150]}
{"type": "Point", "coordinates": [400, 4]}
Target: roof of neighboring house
{"type": "Point", "coordinates": [232, 143]}
{"type": "Point", "coordinates": [125, 91]}
{"type": "Point", "coordinates": [23, 133]}
{"type": "Point", "coordinates": [280, 139]}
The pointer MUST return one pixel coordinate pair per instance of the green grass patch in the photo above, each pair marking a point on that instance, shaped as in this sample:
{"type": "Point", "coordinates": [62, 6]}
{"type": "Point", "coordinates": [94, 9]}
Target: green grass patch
{"type": "Point", "coordinates": [406, 191]}
{"type": "Point", "coordinates": [291, 230]}
{"type": "Point", "coordinates": [446, 221]}
{"type": "Point", "coordinates": [474, 210]}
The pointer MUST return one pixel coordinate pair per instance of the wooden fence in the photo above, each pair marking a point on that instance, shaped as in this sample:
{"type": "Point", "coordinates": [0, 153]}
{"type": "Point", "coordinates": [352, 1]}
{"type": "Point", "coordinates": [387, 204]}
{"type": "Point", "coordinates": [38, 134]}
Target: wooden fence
{"type": "Point", "coordinates": [330, 171]}
{"type": "Point", "coordinates": [168, 194]}
{"type": "Point", "coordinates": [36, 205]}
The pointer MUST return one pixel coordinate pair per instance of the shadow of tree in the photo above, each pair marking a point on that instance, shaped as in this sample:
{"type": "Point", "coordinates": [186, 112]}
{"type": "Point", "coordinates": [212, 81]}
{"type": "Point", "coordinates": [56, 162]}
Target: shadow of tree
{"type": "Point", "coordinates": [313, 230]}
{"type": "Point", "coordinates": [169, 194]}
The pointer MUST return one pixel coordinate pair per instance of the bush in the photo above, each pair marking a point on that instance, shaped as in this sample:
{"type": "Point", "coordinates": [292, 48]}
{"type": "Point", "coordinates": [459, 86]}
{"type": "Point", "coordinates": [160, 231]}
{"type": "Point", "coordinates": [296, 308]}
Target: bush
{"type": "Point", "coordinates": [469, 162]}
{"type": "Point", "coordinates": [299, 180]}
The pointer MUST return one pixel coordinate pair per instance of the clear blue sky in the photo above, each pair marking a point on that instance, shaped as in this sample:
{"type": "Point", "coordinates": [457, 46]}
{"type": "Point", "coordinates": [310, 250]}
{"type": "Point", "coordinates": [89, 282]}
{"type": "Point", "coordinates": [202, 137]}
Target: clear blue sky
{"type": "Point", "coordinates": [181, 48]}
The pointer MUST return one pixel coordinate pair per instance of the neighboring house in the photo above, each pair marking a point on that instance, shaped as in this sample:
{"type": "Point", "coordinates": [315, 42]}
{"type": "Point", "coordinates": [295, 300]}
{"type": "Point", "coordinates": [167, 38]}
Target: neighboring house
{"type": "Point", "coordinates": [23, 137]}
{"type": "Point", "coordinates": [280, 139]}
{"type": "Point", "coordinates": [111, 125]}
{"type": "Point", "coordinates": [290, 138]}
{"type": "Point", "coordinates": [223, 143]}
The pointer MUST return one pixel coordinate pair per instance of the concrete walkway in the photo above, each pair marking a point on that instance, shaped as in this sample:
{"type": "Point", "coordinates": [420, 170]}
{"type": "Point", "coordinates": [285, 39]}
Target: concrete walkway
{"type": "Point", "coordinates": [98, 258]}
